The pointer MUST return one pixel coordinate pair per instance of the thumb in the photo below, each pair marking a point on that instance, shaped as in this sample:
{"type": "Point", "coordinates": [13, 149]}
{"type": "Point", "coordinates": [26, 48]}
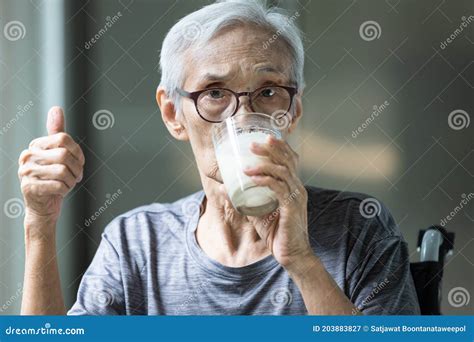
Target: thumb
{"type": "Point", "coordinates": [55, 122]}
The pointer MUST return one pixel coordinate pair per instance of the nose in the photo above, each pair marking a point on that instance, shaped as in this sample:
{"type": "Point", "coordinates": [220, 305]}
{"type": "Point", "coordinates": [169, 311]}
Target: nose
{"type": "Point", "coordinates": [244, 106]}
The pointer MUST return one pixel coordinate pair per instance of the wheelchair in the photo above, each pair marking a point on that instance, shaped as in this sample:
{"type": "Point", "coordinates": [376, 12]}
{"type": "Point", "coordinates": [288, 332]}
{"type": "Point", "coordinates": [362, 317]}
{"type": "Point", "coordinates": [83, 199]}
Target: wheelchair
{"type": "Point", "coordinates": [435, 244]}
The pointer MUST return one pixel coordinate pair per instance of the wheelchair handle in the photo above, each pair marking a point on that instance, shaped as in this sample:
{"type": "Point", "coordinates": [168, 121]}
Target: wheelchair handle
{"type": "Point", "coordinates": [435, 243]}
{"type": "Point", "coordinates": [432, 240]}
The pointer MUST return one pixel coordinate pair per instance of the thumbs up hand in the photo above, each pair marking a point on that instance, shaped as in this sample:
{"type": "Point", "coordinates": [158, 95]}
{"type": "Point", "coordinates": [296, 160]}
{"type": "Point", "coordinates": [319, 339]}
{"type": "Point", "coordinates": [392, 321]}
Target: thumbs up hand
{"type": "Point", "coordinates": [48, 170]}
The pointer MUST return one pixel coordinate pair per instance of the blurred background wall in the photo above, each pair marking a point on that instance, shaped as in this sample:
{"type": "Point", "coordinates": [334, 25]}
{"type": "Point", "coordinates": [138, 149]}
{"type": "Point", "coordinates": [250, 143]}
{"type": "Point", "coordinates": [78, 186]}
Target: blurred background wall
{"type": "Point", "coordinates": [387, 107]}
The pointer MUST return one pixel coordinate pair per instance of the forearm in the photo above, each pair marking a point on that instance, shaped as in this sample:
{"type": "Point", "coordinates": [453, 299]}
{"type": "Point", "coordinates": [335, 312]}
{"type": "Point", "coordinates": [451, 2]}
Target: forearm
{"type": "Point", "coordinates": [48, 170]}
{"type": "Point", "coordinates": [41, 288]}
{"type": "Point", "coordinates": [321, 294]}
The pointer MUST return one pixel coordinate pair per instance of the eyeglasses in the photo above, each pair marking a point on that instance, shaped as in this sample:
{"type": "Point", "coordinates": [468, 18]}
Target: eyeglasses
{"type": "Point", "coordinates": [217, 104]}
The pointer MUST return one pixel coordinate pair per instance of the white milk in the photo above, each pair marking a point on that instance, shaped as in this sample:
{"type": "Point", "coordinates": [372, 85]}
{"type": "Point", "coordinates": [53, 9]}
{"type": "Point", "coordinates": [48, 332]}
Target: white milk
{"type": "Point", "coordinates": [233, 155]}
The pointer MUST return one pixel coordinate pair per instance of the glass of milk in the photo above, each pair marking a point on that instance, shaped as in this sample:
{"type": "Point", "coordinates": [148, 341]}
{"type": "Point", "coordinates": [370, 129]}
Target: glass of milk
{"type": "Point", "coordinates": [232, 139]}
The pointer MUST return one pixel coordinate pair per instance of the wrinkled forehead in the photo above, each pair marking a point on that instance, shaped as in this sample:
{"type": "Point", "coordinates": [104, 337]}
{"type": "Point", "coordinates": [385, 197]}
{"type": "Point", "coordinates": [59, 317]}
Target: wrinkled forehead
{"type": "Point", "coordinates": [235, 52]}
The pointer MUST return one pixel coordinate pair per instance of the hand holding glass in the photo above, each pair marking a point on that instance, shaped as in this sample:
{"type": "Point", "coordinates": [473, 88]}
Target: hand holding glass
{"type": "Point", "coordinates": [232, 139]}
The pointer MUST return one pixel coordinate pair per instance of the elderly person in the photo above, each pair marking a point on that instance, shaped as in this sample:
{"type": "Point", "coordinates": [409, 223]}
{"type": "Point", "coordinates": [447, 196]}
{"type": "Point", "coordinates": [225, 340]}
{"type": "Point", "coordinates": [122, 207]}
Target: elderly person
{"type": "Point", "coordinates": [320, 254]}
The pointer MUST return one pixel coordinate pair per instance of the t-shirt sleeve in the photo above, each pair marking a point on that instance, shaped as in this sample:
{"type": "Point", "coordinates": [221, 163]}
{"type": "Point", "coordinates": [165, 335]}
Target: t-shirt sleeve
{"type": "Point", "coordinates": [385, 285]}
{"type": "Point", "coordinates": [382, 283]}
{"type": "Point", "coordinates": [101, 289]}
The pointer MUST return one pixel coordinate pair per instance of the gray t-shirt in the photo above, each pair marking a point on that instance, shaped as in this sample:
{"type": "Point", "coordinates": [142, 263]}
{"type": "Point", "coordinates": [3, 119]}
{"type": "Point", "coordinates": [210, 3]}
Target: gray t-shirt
{"type": "Point", "coordinates": [149, 263]}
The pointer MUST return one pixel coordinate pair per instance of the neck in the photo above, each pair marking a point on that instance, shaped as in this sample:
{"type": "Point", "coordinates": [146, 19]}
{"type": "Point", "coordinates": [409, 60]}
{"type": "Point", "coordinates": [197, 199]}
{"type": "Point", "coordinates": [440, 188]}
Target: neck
{"type": "Point", "coordinates": [225, 235]}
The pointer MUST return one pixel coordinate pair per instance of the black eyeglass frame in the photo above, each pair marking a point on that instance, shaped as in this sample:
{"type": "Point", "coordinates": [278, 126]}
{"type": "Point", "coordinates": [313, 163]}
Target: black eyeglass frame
{"type": "Point", "coordinates": [292, 91]}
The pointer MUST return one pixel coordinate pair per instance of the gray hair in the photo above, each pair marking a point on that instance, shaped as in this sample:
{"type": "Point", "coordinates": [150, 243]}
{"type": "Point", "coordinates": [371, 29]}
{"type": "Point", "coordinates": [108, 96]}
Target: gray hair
{"type": "Point", "coordinates": [200, 26]}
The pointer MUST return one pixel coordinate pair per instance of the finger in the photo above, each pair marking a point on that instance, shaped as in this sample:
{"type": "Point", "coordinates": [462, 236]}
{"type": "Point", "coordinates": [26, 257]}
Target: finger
{"type": "Point", "coordinates": [55, 121]}
{"type": "Point", "coordinates": [280, 172]}
{"type": "Point", "coordinates": [279, 187]}
{"type": "Point", "coordinates": [59, 155]}
{"type": "Point", "coordinates": [41, 187]}
{"type": "Point", "coordinates": [56, 172]}
{"type": "Point", "coordinates": [59, 140]}
{"type": "Point", "coordinates": [24, 156]}
{"type": "Point", "coordinates": [278, 151]}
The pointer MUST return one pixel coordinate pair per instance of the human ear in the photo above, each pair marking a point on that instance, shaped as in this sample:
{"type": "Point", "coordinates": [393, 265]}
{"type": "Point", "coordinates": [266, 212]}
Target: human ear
{"type": "Point", "coordinates": [171, 118]}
